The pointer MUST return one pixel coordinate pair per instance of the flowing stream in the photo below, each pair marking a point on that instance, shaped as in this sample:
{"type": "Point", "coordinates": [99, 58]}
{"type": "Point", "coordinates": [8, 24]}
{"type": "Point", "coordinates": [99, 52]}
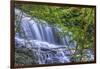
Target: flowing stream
{"type": "Point", "coordinates": [38, 35]}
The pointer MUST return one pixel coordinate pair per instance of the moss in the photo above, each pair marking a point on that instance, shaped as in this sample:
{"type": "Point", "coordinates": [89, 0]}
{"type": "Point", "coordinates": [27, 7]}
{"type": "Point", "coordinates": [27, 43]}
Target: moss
{"type": "Point", "coordinates": [25, 56]}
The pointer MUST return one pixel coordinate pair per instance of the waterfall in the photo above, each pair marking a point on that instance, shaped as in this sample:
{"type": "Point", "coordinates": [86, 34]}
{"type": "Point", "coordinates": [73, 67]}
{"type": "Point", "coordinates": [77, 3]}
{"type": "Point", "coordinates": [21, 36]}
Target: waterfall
{"type": "Point", "coordinates": [38, 31]}
{"type": "Point", "coordinates": [41, 37]}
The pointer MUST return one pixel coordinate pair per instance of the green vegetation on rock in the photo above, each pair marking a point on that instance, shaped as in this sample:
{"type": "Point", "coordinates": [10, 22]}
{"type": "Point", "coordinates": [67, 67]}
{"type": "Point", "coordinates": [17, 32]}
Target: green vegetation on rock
{"type": "Point", "coordinates": [25, 56]}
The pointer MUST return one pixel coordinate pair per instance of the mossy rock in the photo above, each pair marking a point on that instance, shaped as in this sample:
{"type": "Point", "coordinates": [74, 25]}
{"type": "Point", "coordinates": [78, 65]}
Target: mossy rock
{"type": "Point", "coordinates": [25, 56]}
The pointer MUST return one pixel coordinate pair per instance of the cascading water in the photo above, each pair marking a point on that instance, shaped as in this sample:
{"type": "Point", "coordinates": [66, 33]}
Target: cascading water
{"type": "Point", "coordinates": [39, 36]}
